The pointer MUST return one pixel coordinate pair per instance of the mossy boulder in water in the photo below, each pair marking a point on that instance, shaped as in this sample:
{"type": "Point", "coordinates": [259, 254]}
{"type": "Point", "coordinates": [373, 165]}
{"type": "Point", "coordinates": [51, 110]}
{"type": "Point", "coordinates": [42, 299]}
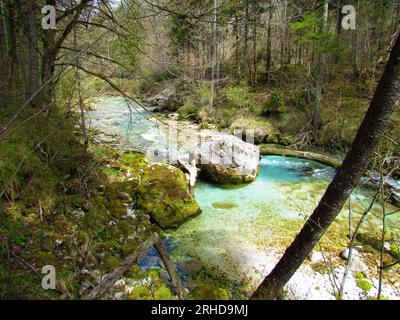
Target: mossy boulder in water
{"type": "Point", "coordinates": [163, 193]}
{"type": "Point", "coordinates": [208, 292]}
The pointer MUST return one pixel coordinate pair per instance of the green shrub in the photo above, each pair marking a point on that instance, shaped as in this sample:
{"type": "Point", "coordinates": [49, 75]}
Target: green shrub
{"type": "Point", "coordinates": [275, 104]}
{"type": "Point", "coordinates": [240, 96]}
{"type": "Point", "coordinates": [188, 110]}
{"type": "Point", "coordinates": [364, 285]}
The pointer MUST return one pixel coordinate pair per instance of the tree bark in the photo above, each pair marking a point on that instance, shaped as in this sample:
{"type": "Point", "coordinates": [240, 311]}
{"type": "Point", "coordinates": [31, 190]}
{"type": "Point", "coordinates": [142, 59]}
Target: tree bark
{"type": "Point", "coordinates": [384, 106]}
{"type": "Point", "coordinates": [254, 73]}
{"type": "Point", "coordinates": [163, 253]}
{"type": "Point", "coordinates": [246, 67]}
{"type": "Point", "coordinates": [237, 45]}
{"type": "Point", "coordinates": [33, 57]}
{"type": "Point", "coordinates": [80, 97]}
{"type": "Point", "coordinates": [12, 43]}
{"type": "Point", "coordinates": [338, 30]}
{"type": "Point", "coordinates": [214, 70]}
{"type": "Point", "coordinates": [320, 73]}
{"type": "Point", "coordinates": [269, 43]}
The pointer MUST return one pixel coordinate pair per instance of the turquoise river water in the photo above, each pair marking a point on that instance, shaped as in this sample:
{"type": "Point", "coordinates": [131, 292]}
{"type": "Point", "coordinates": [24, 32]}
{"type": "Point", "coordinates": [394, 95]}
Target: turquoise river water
{"type": "Point", "coordinates": [242, 230]}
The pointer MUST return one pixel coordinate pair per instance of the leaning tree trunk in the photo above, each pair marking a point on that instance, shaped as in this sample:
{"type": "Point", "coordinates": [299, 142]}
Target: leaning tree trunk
{"type": "Point", "coordinates": [384, 105]}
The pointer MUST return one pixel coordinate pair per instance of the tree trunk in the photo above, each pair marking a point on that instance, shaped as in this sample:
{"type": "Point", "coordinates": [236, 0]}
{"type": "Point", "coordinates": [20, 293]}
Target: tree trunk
{"type": "Point", "coordinates": [284, 30]}
{"type": "Point", "coordinates": [246, 68]}
{"type": "Point", "coordinates": [320, 73]}
{"type": "Point", "coordinates": [12, 43]}
{"type": "Point", "coordinates": [384, 106]}
{"type": "Point", "coordinates": [237, 45]}
{"type": "Point", "coordinates": [80, 97]}
{"type": "Point", "coordinates": [48, 60]}
{"type": "Point", "coordinates": [33, 56]}
{"type": "Point", "coordinates": [117, 273]}
{"type": "Point", "coordinates": [254, 76]}
{"type": "Point", "coordinates": [269, 43]}
{"type": "Point", "coordinates": [163, 253]}
{"type": "Point", "coordinates": [3, 36]}
{"type": "Point", "coordinates": [214, 56]}
{"type": "Point", "coordinates": [338, 30]}
{"type": "Point", "coordinates": [269, 150]}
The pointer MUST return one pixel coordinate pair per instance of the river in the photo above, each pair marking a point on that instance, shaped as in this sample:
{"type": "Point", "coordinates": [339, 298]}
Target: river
{"type": "Point", "coordinates": [243, 230]}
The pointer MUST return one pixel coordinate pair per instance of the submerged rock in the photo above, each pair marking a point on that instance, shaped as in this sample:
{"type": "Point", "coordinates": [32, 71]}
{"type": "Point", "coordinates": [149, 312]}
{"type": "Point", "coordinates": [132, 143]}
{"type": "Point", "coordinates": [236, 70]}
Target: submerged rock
{"type": "Point", "coordinates": [226, 159]}
{"type": "Point", "coordinates": [163, 193]}
{"type": "Point", "coordinates": [224, 205]}
{"type": "Point", "coordinates": [190, 267]}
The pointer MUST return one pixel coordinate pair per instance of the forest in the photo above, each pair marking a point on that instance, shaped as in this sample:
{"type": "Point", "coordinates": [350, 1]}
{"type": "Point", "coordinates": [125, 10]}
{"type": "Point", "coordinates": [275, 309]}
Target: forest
{"type": "Point", "coordinates": [200, 150]}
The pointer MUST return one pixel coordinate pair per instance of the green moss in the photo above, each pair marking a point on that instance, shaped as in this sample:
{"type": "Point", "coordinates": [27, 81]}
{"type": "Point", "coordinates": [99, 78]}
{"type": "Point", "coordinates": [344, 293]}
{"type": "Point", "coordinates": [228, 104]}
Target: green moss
{"type": "Point", "coordinates": [364, 285]}
{"type": "Point", "coordinates": [163, 194]}
{"type": "Point", "coordinates": [141, 292]}
{"type": "Point", "coordinates": [163, 293]}
{"type": "Point", "coordinates": [370, 240]}
{"type": "Point", "coordinates": [207, 292]}
{"type": "Point", "coordinates": [188, 110]}
{"type": "Point", "coordinates": [320, 268]}
{"type": "Point", "coordinates": [359, 275]}
{"type": "Point", "coordinates": [110, 263]}
{"type": "Point", "coordinates": [129, 247]}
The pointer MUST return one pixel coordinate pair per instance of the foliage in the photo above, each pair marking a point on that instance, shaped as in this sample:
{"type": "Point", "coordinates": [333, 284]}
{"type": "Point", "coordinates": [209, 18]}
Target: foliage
{"type": "Point", "coordinates": [276, 103]}
{"type": "Point", "coordinates": [305, 30]}
{"type": "Point", "coordinates": [240, 95]}
{"type": "Point", "coordinates": [187, 110]}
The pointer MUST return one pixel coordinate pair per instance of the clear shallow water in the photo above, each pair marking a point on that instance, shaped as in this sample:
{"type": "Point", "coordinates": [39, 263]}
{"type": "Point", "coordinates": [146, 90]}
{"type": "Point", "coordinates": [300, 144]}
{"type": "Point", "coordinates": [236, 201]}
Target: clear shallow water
{"type": "Point", "coordinates": [242, 230]}
{"type": "Point", "coordinates": [276, 174]}
{"type": "Point", "coordinates": [133, 126]}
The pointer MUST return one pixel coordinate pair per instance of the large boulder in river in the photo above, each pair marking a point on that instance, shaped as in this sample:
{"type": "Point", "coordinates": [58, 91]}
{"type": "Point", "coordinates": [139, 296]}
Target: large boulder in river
{"type": "Point", "coordinates": [226, 159]}
{"type": "Point", "coordinates": [167, 100]}
{"type": "Point", "coordinates": [164, 194]}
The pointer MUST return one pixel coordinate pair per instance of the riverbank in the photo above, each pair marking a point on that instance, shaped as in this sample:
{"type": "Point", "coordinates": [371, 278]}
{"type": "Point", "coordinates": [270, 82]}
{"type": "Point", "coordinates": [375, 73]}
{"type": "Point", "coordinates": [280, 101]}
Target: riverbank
{"type": "Point", "coordinates": [240, 234]}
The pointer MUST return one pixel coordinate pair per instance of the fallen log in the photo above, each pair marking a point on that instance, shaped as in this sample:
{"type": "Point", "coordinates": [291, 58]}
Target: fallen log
{"type": "Point", "coordinates": [140, 252]}
{"type": "Point", "coordinates": [163, 253]}
{"type": "Point", "coordinates": [270, 150]}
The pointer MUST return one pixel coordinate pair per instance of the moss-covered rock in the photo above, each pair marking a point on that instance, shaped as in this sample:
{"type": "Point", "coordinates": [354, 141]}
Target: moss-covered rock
{"type": "Point", "coordinates": [163, 193]}
{"type": "Point", "coordinates": [207, 292]}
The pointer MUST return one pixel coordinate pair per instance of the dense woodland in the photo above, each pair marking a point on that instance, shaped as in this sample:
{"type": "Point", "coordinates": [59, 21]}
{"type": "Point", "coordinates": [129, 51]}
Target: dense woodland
{"type": "Point", "coordinates": [286, 69]}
